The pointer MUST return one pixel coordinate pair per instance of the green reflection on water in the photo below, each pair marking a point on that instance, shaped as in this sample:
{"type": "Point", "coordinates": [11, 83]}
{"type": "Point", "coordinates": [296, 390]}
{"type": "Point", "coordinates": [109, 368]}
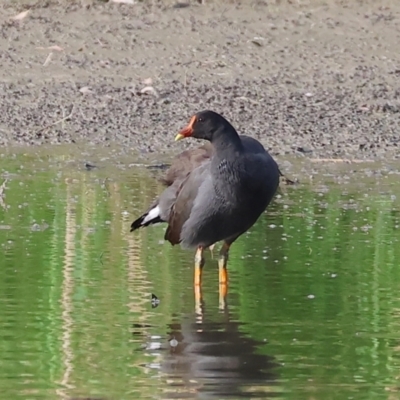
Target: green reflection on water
{"type": "Point", "coordinates": [313, 290]}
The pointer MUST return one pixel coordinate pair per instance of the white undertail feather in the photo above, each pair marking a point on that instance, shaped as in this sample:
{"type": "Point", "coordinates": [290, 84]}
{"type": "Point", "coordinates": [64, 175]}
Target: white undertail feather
{"type": "Point", "coordinates": [153, 213]}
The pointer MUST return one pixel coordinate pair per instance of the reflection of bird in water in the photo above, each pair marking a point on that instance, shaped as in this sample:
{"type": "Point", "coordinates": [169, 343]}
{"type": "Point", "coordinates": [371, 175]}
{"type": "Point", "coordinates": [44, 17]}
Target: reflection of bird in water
{"type": "Point", "coordinates": [211, 358]}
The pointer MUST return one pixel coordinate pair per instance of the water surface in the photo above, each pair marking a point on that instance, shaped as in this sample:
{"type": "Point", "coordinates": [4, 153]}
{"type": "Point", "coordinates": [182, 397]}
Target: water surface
{"type": "Point", "coordinates": [312, 310]}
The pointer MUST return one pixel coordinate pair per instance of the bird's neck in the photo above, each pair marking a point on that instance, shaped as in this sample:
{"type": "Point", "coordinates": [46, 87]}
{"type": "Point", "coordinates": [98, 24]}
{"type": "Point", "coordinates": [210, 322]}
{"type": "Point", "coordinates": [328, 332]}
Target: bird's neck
{"type": "Point", "coordinates": [226, 142]}
{"type": "Point", "coordinates": [227, 147]}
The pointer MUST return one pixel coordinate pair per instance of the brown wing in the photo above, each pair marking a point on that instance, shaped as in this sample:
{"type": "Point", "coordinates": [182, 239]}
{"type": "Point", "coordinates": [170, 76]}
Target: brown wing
{"type": "Point", "coordinates": [186, 194]}
{"type": "Point", "coordinates": [186, 162]}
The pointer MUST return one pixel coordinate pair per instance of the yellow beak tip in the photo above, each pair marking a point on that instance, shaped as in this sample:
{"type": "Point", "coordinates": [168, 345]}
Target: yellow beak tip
{"type": "Point", "coordinates": [179, 136]}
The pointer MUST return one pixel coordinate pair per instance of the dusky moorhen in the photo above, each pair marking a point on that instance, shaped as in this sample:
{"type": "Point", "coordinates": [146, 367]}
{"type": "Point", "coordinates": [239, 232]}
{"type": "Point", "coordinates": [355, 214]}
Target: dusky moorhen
{"type": "Point", "coordinates": [214, 192]}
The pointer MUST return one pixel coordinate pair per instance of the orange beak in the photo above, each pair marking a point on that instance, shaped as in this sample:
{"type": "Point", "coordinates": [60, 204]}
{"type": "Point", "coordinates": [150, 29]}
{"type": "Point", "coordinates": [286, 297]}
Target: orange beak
{"type": "Point", "coordinates": [186, 132]}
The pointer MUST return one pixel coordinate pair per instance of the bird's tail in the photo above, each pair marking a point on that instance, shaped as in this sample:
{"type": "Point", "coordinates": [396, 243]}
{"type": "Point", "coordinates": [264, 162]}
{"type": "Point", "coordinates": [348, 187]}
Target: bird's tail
{"type": "Point", "coordinates": [148, 218]}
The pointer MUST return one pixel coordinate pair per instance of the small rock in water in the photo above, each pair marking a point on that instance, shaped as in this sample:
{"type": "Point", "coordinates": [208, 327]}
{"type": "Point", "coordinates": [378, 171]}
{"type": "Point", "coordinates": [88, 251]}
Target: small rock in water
{"type": "Point", "coordinates": [155, 301]}
{"type": "Point", "coordinates": [89, 166]}
{"type": "Point", "coordinates": [35, 228]}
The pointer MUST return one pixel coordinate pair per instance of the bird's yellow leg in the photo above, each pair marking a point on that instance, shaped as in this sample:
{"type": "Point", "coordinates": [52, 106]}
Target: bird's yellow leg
{"type": "Point", "coordinates": [222, 263]}
{"type": "Point", "coordinates": [198, 265]}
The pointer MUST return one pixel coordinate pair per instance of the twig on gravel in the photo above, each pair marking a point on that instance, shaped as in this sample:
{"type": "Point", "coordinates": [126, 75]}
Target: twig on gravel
{"type": "Point", "coordinates": [48, 59]}
{"type": "Point", "coordinates": [57, 122]}
{"type": "Point", "coordinates": [52, 48]}
{"type": "Point", "coordinates": [100, 42]}
{"type": "Point", "coordinates": [2, 188]}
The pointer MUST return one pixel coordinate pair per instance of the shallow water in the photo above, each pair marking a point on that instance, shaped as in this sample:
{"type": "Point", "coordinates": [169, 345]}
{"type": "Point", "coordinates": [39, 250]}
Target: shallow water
{"type": "Point", "coordinates": [312, 310]}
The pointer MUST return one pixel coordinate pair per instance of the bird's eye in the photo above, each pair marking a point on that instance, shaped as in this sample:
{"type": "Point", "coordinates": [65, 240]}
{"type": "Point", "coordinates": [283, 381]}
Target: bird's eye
{"type": "Point", "coordinates": [200, 119]}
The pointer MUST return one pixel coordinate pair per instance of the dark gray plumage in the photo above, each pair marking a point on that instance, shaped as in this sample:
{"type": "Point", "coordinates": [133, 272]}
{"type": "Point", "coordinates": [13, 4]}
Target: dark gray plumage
{"type": "Point", "coordinates": [218, 197]}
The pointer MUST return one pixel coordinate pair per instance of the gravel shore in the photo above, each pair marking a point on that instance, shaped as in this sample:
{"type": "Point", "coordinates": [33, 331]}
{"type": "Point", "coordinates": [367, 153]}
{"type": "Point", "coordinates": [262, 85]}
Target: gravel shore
{"type": "Point", "coordinates": [319, 79]}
